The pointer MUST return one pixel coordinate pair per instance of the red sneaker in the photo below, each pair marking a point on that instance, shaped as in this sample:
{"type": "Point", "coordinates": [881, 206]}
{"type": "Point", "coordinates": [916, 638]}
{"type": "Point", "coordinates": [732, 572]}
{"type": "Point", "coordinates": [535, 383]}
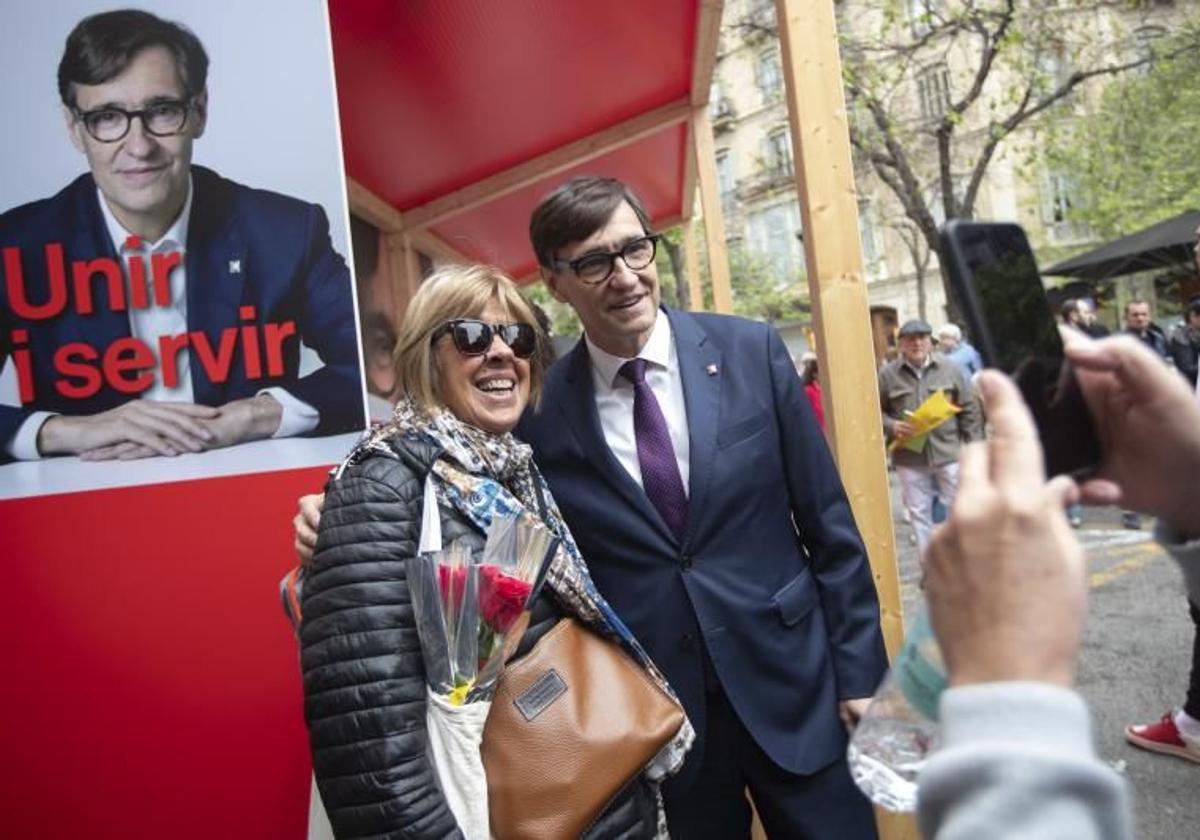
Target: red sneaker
{"type": "Point", "coordinates": [1164, 737]}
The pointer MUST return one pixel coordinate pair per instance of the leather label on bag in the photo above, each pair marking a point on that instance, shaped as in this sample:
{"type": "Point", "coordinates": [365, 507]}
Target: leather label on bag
{"type": "Point", "coordinates": [538, 697]}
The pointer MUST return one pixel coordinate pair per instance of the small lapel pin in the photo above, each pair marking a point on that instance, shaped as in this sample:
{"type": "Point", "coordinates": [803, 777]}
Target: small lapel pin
{"type": "Point", "coordinates": [711, 370]}
{"type": "Point", "coordinates": [235, 266]}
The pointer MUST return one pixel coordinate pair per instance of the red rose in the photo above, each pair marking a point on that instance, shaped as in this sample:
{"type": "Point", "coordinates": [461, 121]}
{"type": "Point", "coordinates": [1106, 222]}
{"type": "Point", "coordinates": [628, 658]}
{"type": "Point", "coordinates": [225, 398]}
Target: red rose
{"type": "Point", "coordinates": [453, 582]}
{"type": "Point", "coordinates": [501, 597]}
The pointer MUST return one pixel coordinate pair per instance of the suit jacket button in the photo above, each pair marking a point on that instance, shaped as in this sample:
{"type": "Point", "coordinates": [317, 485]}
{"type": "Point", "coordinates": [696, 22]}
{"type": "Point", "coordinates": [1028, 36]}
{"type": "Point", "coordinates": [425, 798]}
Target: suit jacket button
{"type": "Point", "coordinates": [685, 562]}
{"type": "Point", "coordinates": [687, 641]}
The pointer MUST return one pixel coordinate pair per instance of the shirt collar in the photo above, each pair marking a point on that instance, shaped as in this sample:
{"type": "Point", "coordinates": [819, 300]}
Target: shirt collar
{"type": "Point", "coordinates": [175, 239]}
{"type": "Point", "coordinates": [656, 351]}
{"type": "Point", "coordinates": [929, 362]}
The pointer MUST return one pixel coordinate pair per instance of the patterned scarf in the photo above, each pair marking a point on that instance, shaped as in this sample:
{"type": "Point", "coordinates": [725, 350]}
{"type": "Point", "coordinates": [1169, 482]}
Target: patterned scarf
{"type": "Point", "coordinates": [483, 475]}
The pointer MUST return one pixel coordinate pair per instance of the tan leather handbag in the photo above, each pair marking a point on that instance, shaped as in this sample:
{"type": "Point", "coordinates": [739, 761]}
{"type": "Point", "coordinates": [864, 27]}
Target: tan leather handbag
{"type": "Point", "coordinates": [571, 723]}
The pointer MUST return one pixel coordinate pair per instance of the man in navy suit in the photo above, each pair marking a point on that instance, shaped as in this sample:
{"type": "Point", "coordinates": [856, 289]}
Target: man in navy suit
{"type": "Point", "coordinates": [750, 586]}
{"type": "Point", "coordinates": [752, 590]}
{"type": "Point", "coordinates": [184, 333]}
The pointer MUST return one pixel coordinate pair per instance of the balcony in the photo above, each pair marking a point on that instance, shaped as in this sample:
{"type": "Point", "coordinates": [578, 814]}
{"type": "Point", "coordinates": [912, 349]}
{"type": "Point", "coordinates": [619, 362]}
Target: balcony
{"type": "Point", "coordinates": [772, 176]}
{"type": "Point", "coordinates": [724, 115]}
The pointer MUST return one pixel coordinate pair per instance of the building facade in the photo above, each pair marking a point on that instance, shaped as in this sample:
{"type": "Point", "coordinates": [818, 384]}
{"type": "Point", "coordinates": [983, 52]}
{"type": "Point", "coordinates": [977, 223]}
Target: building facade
{"type": "Point", "coordinates": [920, 64]}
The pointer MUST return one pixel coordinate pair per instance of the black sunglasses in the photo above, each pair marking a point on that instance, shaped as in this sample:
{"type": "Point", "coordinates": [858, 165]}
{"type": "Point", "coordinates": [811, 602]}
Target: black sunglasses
{"type": "Point", "coordinates": [473, 337]}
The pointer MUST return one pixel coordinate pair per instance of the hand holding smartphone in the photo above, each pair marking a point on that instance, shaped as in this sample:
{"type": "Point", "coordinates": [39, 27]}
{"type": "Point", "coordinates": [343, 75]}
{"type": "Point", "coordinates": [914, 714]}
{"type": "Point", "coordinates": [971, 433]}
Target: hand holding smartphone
{"type": "Point", "coordinates": [993, 270]}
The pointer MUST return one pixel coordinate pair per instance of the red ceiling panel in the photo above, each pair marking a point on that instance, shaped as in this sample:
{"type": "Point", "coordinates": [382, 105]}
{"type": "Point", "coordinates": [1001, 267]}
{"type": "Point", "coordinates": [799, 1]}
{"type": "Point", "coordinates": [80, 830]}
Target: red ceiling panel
{"type": "Point", "coordinates": [498, 233]}
{"type": "Point", "coordinates": [434, 96]}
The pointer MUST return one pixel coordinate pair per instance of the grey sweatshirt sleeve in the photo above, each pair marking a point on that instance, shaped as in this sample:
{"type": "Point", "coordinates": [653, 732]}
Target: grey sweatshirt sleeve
{"type": "Point", "coordinates": [1017, 762]}
{"type": "Point", "coordinates": [1187, 554]}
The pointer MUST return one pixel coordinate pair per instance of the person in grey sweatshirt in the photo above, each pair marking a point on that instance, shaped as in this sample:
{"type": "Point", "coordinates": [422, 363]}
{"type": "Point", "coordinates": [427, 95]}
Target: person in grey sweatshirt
{"type": "Point", "coordinates": [1006, 588]}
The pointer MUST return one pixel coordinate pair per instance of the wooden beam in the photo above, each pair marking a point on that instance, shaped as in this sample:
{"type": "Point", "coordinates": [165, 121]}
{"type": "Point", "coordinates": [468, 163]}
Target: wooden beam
{"type": "Point", "coordinates": [838, 289]}
{"type": "Point", "coordinates": [691, 264]}
{"type": "Point", "coordinates": [710, 202]}
{"type": "Point", "coordinates": [543, 166]}
{"type": "Point", "coordinates": [430, 243]}
{"type": "Point", "coordinates": [688, 193]}
{"type": "Point", "coordinates": [366, 205]}
{"type": "Point", "coordinates": [708, 37]}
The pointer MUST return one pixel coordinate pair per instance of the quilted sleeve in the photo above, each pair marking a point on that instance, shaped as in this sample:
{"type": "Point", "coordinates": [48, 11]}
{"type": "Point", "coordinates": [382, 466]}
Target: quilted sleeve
{"type": "Point", "coordinates": [364, 685]}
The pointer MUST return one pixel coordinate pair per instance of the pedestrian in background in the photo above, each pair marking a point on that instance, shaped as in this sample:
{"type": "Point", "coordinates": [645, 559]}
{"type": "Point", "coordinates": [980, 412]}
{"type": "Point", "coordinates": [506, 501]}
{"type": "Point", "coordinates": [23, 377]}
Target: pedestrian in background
{"type": "Point", "coordinates": [957, 349]}
{"type": "Point", "coordinates": [903, 386]}
{"type": "Point", "coordinates": [1184, 344]}
{"type": "Point", "coordinates": [1140, 325]}
{"type": "Point", "coordinates": [810, 377]}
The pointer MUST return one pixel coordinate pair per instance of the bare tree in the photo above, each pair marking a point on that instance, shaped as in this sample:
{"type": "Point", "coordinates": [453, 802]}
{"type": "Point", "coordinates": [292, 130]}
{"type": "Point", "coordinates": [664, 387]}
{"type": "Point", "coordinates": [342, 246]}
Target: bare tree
{"type": "Point", "coordinates": [674, 248]}
{"type": "Point", "coordinates": [920, 253]}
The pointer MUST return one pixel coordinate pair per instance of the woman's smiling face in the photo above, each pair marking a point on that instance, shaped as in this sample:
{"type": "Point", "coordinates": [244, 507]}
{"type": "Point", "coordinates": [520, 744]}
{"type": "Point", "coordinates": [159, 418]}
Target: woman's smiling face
{"type": "Point", "coordinates": [488, 391]}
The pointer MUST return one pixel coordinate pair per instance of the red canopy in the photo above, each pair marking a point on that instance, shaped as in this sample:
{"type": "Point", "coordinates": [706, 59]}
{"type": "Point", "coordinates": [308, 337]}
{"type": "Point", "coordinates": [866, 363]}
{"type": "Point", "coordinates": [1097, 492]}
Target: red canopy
{"type": "Point", "coordinates": [438, 98]}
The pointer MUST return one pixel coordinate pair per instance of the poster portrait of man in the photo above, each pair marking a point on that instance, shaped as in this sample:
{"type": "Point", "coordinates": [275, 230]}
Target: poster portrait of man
{"type": "Point", "coordinates": [172, 233]}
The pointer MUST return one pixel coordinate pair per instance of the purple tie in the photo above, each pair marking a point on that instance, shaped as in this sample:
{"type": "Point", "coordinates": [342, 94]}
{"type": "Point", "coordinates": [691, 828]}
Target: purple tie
{"type": "Point", "coordinates": [656, 455]}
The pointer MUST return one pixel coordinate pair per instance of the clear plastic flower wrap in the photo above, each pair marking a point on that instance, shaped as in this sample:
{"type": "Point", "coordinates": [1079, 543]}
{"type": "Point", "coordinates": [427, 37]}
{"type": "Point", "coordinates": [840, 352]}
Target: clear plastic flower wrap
{"type": "Point", "coordinates": [465, 606]}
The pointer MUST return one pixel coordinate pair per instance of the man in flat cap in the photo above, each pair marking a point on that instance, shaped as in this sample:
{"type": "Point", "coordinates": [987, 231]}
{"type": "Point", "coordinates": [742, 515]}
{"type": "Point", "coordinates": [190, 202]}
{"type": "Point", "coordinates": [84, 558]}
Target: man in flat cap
{"type": "Point", "coordinates": [931, 468]}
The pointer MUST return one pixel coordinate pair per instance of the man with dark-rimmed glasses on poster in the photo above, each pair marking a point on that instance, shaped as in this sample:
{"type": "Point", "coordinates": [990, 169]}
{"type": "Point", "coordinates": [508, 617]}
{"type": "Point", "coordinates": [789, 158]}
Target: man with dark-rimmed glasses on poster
{"type": "Point", "coordinates": [153, 307]}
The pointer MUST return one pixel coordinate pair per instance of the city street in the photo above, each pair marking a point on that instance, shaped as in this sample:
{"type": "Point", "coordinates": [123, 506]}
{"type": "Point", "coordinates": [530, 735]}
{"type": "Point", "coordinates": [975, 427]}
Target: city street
{"type": "Point", "coordinates": [1134, 662]}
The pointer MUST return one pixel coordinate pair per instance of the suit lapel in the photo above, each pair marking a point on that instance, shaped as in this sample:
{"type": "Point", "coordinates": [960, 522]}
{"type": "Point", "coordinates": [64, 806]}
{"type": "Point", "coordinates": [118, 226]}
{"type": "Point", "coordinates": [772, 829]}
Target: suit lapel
{"type": "Point", "coordinates": [700, 370]}
{"type": "Point", "coordinates": [216, 265]}
{"type": "Point", "coordinates": [579, 410]}
{"type": "Point", "coordinates": [90, 241]}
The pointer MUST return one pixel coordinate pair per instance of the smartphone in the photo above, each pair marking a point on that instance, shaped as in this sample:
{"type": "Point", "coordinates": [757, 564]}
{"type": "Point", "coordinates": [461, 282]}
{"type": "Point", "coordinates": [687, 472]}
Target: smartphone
{"type": "Point", "coordinates": [993, 270]}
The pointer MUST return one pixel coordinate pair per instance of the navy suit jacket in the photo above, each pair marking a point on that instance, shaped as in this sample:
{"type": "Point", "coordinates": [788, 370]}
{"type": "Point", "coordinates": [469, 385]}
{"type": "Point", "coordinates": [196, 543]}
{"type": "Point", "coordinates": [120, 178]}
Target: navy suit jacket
{"type": "Point", "coordinates": [286, 269]}
{"type": "Point", "coordinates": [771, 572]}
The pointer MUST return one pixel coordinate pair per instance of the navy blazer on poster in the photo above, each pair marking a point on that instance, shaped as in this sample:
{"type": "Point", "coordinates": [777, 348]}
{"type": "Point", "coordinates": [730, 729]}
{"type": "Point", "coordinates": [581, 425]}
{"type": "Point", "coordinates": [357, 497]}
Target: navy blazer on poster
{"type": "Point", "coordinates": [771, 571]}
{"type": "Point", "coordinates": [245, 247]}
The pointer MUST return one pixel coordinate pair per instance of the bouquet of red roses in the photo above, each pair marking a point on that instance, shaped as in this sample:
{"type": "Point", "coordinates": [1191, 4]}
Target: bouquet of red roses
{"type": "Point", "coordinates": [465, 609]}
{"type": "Point", "coordinates": [465, 606]}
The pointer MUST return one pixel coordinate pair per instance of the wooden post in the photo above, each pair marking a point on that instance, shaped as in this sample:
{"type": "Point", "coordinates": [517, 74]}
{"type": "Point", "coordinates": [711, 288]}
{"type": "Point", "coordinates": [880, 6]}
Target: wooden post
{"type": "Point", "coordinates": [825, 184]}
{"type": "Point", "coordinates": [833, 253]}
{"type": "Point", "coordinates": [710, 202]}
{"type": "Point", "coordinates": [691, 264]}
{"type": "Point", "coordinates": [405, 268]}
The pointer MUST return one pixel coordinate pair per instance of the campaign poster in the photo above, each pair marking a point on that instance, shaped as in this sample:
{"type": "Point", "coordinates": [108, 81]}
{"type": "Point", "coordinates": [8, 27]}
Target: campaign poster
{"type": "Point", "coordinates": [179, 361]}
{"type": "Point", "coordinates": [176, 299]}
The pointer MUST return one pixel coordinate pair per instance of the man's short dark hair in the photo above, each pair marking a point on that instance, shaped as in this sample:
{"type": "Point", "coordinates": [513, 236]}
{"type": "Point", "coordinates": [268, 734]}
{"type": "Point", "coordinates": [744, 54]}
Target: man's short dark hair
{"type": "Point", "coordinates": [1135, 302]}
{"type": "Point", "coordinates": [101, 46]}
{"type": "Point", "coordinates": [575, 211]}
{"type": "Point", "coordinates": [1069, 307]}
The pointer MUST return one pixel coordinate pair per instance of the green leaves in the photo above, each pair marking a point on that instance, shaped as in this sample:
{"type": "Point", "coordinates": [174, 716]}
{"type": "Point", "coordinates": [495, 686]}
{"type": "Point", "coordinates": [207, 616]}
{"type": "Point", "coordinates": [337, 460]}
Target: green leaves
{"type": "Point", "coordinates": [1135, 157]}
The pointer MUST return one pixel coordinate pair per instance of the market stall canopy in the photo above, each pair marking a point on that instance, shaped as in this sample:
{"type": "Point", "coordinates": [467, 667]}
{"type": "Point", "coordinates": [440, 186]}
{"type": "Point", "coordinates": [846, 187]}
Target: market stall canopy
{"type": "Point", "coordinates": [461, 116]}
{"type": "Point", "coordinates": [1167, 244]}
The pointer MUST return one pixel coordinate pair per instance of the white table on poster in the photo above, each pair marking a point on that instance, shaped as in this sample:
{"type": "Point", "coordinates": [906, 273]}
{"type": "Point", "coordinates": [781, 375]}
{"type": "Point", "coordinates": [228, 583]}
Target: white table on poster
{"type": "Point", "coordinates": [71, 475]}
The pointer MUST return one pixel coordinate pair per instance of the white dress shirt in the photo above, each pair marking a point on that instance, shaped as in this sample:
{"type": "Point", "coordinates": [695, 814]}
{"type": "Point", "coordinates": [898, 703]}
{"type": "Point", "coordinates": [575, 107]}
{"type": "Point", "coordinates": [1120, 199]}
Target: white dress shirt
{"type": "Point", "coordinates": [614, 398]}
{"type": "Point", "coordinates": [148, 324]}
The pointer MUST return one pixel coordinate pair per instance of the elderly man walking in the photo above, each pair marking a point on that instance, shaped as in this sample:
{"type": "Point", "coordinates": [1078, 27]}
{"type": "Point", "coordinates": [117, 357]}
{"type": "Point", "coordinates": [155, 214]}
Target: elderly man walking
{"type": "Point", "coordinates": [903, 386]}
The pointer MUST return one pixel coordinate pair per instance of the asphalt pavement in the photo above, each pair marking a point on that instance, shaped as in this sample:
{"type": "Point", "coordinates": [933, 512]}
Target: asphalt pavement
{"type": "Point", "coordinates": [1133, 664]}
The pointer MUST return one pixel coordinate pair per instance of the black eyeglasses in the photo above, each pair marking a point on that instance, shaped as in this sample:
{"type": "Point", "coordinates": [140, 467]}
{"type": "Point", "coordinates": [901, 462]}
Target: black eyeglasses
{"type": "Point", "coordinates": [474, 338]}
{"type": "Point", "coordinates": [109, 124]}
{"type": "Point", "coordinates": [595, 268]}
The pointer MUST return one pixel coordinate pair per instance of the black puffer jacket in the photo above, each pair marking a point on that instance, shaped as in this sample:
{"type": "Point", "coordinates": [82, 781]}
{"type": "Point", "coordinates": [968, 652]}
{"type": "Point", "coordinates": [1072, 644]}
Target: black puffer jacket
{"type": "Point", "coordinates": [364, 681]}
